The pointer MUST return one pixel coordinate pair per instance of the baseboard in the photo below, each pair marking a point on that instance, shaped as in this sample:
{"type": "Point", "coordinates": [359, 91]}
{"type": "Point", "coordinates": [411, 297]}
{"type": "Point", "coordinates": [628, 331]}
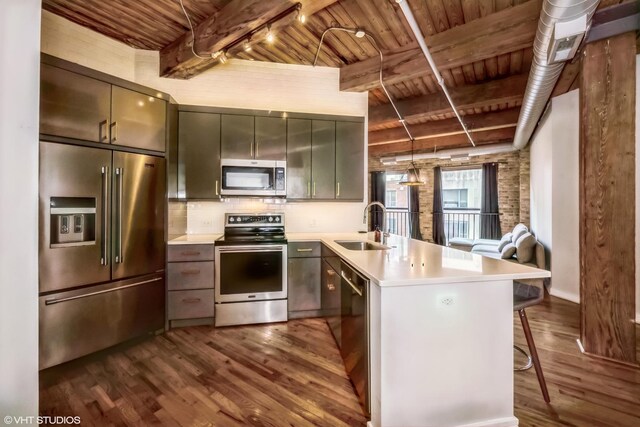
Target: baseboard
{"type": "Point", "coordinates": [564, 295]}
{"type": "Point", "coordinates": [497, 422]}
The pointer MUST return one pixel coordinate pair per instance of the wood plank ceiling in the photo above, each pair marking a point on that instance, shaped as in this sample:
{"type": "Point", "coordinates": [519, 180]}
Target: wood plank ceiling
{"type": "Point", "coordinates": [488, 49]}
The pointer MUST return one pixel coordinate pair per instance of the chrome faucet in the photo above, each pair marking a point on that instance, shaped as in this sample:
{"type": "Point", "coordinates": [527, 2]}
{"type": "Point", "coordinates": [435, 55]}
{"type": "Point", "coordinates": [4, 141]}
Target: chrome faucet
{"type": "Point", "coordinates": [385, 233]}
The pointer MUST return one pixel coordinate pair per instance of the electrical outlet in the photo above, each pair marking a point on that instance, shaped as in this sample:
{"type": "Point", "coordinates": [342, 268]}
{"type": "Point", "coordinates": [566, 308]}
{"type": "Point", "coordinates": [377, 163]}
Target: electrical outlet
{"type": "Point", "coordinates": [447, 300]}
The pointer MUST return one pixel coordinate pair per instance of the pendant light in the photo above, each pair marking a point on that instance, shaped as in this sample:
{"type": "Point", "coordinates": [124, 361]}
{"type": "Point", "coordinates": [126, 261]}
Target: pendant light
{"type": "Point", "coordinates": [412, 175]}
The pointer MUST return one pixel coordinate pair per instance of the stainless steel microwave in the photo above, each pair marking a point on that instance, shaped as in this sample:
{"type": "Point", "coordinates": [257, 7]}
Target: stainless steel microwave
{"type": "Point", "coordinates": [254, 178]}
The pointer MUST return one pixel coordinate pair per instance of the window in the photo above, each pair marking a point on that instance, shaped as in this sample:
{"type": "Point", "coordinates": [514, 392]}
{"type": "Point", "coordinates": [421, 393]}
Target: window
{"type": "Point", "coordinates": [397, 196]}
{"type": "Point", "coordinates": [461, 189]}
{"type": "Point", "coordinates": [457, 198]}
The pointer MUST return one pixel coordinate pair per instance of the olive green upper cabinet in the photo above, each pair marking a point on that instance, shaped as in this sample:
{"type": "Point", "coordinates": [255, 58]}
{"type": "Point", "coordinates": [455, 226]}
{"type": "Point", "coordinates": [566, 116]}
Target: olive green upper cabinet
{"type": "Point", "coordinates": [199, 155]}
{"type": "Point", "coordinates": [270, 138]}
{"type": "Point", "coordinates": [349, 161]}
{"type": "Point", "coordinates": [237, 136]}
{"type": "Point", "coordinates": [298, 159]}
{"type": "Point", "coordinates": [323, 155]}
{"type": "Point", "coordinates": [137, 120]}
{"type": "Point", "coordinates": [73, 105]}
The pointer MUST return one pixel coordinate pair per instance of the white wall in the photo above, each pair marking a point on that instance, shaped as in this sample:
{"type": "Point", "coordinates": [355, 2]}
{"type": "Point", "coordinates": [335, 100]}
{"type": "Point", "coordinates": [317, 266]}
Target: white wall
{"type": "Point", "coordinates": [541, 182]}
{"type": "Point", "coordinates": [238, 84]}
{"type": "Point", "coordinates": [19, 86]}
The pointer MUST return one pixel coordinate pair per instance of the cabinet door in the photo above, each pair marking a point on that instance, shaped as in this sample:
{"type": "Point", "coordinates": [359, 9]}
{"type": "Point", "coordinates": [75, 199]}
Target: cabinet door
{"type": "Point", "coordinates": [137, 120]}
{"type": "Point", "coordinates": [349, 160]}
{"type": "Point", "coordinates": [271, 138]}
{"type": "Point", "coordinates": [323, 159]}
{"type": "Point", "coordinates": [298, 159]}
{"type": "Point", "coordinates": [236, 138]}
{"type": "Point", "coordinates": [74, 106]}
{"type": "Point", "coordinates": [304, 284]}
{"type": "Point", "coordinates": [199, 155]}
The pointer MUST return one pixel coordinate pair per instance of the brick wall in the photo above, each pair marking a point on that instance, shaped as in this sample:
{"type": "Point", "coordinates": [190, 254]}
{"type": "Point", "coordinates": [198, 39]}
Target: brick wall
{"type": "Point", "coordinates": [513, 186]}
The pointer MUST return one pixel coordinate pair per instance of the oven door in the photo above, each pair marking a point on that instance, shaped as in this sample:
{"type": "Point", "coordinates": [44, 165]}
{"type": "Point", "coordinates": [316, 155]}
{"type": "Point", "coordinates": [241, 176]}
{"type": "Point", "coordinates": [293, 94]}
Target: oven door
{"type": "Point", "coordinates": [250, 273]}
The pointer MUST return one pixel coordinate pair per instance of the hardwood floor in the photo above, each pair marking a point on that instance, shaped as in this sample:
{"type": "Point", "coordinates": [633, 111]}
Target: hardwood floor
{"type": "Point", "coordinates": [292, 375]}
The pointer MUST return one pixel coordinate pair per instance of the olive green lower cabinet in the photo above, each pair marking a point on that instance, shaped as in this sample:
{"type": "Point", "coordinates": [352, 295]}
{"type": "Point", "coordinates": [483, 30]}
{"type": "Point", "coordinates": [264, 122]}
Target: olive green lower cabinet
{"type": "Point", "coordinates": [304, 274]}
{"type": "Point", "coordinates": [190, 281]}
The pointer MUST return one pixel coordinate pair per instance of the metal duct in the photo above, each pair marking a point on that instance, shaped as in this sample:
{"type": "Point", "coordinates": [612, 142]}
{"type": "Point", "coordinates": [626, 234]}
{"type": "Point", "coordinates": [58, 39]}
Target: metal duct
{"type": "Point", "coordinates": [544, 76]}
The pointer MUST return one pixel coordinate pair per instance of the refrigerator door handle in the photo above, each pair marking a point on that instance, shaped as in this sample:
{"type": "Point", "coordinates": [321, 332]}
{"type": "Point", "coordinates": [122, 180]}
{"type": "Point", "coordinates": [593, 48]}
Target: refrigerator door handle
{"type": "Point", "coordinates": [90, 294]}
{"type": "Point", "coordinates": [104, 260]}
{"type": "Point", "coordinates": [119, 173]}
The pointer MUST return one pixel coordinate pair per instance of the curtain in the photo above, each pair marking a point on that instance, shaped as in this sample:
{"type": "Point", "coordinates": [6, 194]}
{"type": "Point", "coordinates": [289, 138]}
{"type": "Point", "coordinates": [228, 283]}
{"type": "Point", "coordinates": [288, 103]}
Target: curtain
{"type": "Point", "coordinates": [489, 214]}
{"type": "Point", "coordinates": [378, 192]}
{"type": "Point", "coordinates": [414, 213]}
{"type": "Point", "coordinates": [438, 213]}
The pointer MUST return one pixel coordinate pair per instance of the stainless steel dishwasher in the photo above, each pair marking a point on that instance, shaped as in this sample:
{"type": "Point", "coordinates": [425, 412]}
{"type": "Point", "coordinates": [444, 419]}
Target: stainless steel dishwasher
{"type": "Point", "coordinates": [355, 331]}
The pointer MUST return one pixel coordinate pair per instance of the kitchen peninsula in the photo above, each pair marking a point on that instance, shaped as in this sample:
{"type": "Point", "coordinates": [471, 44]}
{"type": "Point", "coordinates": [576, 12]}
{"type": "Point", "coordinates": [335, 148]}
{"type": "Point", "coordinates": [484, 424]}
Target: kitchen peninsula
{"type": "Point", "coordinates": [440, 327]}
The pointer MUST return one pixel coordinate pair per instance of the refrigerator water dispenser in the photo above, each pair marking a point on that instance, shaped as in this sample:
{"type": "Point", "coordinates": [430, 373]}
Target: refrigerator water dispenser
{"type": "Point", "coordinates": [73, 221]}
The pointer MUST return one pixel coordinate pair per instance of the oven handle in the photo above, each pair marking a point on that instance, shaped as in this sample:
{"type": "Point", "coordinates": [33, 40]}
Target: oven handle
{"type": "Point", "coordinates": [261, 248]}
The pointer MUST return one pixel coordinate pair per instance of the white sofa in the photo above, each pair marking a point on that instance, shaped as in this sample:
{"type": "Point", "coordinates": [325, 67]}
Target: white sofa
{"type": "Point", "coordinates": [534, 252]}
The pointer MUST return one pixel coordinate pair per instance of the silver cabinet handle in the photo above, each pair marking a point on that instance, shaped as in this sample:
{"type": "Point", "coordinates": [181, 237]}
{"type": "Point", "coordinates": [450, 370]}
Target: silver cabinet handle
{"type": "Point", "coordinates": [104, 258]}
{"type": "Point", "coordinates": [308, 188]}
{"type": "Point", "coordinates": [102, 135]}
{"type": "Point", "coordinates": [191, 300]}
{"type": "Point", "coordinates": [305, 250]}
{"type": "Point", "coordinates": [190, 253]}
{"type": "Point", "coordinates": [338, 190]}
{"type": "Point", "coordinates": [56, 301]}
{"type": "Point", "coordinates": [314, 189]}
{"type": "Point", "coordinates": [119, 173]}
{"type": "Point", "coordinates": [252, 150]}
{"type": "Point", "coordinates": [217, 184]}
{"type": "Point", "coordinates": [353, 286]}
{"type": "Point", "coordinates": [114, 131]}
{"type": "Point", "coordinates": [257, 149]}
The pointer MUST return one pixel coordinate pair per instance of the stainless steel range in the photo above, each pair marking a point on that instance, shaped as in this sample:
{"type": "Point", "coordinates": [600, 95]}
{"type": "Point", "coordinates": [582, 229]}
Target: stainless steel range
{"type": "Point", "coordinates": [251, 270]}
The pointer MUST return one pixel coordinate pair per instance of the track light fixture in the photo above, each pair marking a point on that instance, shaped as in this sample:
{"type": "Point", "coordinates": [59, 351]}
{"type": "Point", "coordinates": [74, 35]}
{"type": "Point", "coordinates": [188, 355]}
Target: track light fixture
{"type": "Point", "coordinates": [246, 46]}
{"type": "Point", "coordinates": [270, 37]}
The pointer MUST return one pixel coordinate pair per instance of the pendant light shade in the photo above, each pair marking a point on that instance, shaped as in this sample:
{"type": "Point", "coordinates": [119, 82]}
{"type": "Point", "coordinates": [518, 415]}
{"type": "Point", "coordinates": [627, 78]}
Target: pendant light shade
{"type": "Point", "coordinates": [412, 177]}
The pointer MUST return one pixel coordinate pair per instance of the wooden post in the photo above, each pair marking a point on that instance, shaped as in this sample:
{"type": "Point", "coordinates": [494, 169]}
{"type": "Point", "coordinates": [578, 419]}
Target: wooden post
{"type": "Point", "coordinates": [607, 198]}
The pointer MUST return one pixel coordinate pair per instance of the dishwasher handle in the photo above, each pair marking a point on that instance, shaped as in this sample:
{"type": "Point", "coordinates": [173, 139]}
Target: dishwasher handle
{"type": "Point", "coordinates": [355, 288]}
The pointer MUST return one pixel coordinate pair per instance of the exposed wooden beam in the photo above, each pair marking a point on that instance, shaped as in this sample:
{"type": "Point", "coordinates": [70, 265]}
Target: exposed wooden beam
{"type": "Point", "coordinates": [459, 140]}
{"type": "Point", "coordinates": [233, 22]}
{"type": "Point", "coordinates": [607, 198]}
{"type": "Point", "coordinates": [613, 20]}
{"type": "Point", "coordinates": [510, 89]}
{"type": "Point", "coordinates": [506, 31]}
{"type": "Point", "coordinates": [569, 75]}
{"type": "Point", "coordinates": [440, 128]}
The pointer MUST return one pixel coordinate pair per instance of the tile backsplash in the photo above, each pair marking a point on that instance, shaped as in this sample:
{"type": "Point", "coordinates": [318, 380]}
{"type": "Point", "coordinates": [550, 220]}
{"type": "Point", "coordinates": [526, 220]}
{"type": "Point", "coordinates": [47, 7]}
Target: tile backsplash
{"type": "Point", "coordinates": [202, 217]}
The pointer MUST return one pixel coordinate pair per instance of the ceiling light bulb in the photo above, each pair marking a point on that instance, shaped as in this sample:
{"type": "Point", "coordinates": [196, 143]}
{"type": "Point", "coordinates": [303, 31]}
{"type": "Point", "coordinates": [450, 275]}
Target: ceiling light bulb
{"type": "Point", "coordinates": [270, 37]}
{"type": "Point", "coordinates": [360, 33]}
{"type": "Point", "coordinates": [215, 55]}
{"type": "Point", "coordinates": [302, 18]}
{"type": "Point", "coordinates": [246, 46]}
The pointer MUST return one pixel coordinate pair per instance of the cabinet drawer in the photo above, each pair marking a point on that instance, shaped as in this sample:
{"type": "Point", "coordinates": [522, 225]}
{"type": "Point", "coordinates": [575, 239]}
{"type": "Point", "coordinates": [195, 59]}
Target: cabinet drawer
{"type": "Point", "coordinates": [178, 253]}
{"type": "Point", "coordinates": [303, 249]}
{"type": "Point", "coordinates": [190, 275]}
{"type": "Point", "coordinates": [190, 304]}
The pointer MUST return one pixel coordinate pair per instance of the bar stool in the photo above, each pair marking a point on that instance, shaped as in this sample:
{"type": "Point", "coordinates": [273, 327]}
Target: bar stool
{"type": "Point", "coordinates": [526, 294]}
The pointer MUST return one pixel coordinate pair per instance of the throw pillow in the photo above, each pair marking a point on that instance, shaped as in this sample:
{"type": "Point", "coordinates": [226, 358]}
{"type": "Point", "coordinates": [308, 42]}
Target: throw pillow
{"type": "Point", "coordinates": [503, 242]}
{"type": "Point", "coordinates": [525, 248]}
{"type": "Point", "coordinates": [508, 251]}
{"type": "Point", "coordinates": [518, 232]}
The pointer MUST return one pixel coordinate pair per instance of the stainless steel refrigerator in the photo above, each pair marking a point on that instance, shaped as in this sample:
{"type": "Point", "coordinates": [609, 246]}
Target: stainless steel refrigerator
{"type": "Point", "coordinates": [102, 249]}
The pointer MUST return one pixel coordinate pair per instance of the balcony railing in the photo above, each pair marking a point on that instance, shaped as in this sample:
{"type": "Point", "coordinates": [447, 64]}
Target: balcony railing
{"type": "Point", "coordinates": [457, 223]}
{"type": "Point", "coordinates": [465, 223]}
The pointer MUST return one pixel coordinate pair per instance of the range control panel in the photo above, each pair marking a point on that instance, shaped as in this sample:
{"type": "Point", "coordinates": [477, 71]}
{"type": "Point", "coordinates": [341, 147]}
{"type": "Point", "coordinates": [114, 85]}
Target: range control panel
{"type": "Point", "coordinates": [243, 219]}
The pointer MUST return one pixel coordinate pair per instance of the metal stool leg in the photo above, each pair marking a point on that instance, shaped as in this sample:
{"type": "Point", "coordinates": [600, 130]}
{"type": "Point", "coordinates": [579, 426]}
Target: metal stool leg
{"type": "Point", "coordinates": [534, 354]}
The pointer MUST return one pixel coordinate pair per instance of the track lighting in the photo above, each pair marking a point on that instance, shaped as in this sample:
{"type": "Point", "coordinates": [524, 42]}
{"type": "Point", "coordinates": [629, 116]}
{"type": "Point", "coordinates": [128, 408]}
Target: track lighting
{"type": "Point", "coordinates": [270, 37]}
{"type": "Point", "coordinates": [223, 58]}
{"type": "Point", "coordinates": [216, 55]}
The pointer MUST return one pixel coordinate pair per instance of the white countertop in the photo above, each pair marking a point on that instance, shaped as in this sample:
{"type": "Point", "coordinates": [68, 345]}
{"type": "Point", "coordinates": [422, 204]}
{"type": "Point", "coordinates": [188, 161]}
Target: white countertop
{"type": "Point", "coordinates": [408, 262]}
{"type": "Point", "coordinates": [193, 239]}
{"type": "Point", "coordinates": [413, 262]}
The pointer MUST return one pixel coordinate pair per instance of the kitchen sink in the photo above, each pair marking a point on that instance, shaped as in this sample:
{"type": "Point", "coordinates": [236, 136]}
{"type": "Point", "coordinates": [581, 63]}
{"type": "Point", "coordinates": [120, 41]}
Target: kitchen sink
{"type": "Point", "coordinates": [357, 245]}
